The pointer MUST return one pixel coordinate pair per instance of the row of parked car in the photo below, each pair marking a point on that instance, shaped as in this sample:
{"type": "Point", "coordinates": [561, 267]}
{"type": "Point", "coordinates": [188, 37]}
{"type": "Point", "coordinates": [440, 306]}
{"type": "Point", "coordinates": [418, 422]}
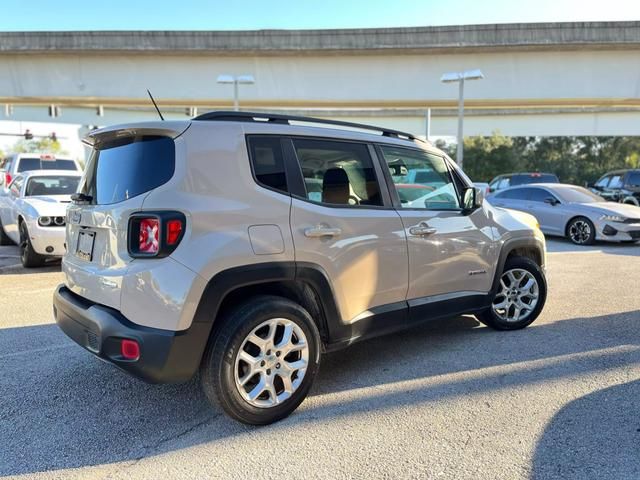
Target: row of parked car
{"type": "Point", "coordinates": [608, 210]}
{"type": "Point", "coordinates": [35, 190]}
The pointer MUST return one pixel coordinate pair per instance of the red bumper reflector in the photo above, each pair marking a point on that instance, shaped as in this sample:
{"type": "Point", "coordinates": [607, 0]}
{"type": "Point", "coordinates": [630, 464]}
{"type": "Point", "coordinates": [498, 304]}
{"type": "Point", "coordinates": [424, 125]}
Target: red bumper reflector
{"type": "Point", "coordinates": [130, 349]}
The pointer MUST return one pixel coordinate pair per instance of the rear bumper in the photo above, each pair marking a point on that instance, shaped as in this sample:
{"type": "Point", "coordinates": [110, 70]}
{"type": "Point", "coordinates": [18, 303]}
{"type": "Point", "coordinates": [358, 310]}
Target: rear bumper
{"type": "Point", "coordinates": [165, 356]}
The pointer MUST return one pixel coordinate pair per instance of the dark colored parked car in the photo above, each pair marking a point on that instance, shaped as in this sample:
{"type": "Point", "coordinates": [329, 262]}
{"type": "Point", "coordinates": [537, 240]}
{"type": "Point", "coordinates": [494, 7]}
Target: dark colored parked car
{"type": "Point", "coordinates": [619, 186]}
{"type": "Point", "coordinates": [514, 179]}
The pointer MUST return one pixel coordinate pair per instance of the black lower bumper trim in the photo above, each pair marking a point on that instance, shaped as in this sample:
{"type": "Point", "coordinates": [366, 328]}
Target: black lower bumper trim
{"type": "Point", "coordinates": [165, 356]}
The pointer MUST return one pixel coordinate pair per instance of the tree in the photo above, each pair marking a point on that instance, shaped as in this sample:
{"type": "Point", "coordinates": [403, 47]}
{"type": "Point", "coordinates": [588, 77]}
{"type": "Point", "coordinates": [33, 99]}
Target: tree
{"type": "Point", "coordinates": [577, 160]}
{"type": "Point", "coordinates": [41, 145]}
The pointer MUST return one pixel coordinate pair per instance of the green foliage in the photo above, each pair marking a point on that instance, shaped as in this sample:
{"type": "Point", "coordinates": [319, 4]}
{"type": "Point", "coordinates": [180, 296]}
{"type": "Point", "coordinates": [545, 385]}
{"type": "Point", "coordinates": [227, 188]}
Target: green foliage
{"type": "Point", "coordinates": [577, 160]}
{"type": "Point", "coordinates": [41, 145]}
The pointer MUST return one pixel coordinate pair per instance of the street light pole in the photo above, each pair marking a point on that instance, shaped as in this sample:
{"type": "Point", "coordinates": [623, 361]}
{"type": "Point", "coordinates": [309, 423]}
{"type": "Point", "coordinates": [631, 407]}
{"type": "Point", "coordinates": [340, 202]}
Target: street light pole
{"type": "Point", "coordinates": [236, 80]}
{"type": "Point", "coordinates": [459, 150]}
{"type": "Point", "coordinates": [460, 77]}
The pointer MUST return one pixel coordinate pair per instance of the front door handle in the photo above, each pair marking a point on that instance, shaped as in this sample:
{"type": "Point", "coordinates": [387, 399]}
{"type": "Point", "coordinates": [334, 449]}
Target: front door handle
{"type": "Point", "coordinates": [421, 230]}
{"type": "Point", "coordinates": [319, 231]}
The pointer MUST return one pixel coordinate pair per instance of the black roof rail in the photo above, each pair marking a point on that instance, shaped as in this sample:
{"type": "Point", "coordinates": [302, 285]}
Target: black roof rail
{"type": "Point", "coordinates": [234, 116]}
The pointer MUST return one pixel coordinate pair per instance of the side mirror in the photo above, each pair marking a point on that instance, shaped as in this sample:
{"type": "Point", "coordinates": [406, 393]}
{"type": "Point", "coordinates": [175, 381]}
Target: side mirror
{"type": "Point", "coordinates": [472, 199]}
{"type": "Point", "coordinates": [551, 201]}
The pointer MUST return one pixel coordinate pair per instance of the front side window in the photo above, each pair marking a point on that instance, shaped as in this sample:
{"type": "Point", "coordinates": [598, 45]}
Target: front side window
{"type": "Point", "coordinates": [338, 173]}
{"type": "Point", "coordinates": [616, 181]}
{"type": "Point", "coordinates": [16, 186]}
{"type": "Point", "coordinates": [57, 185]}
{"type": "Point", "coordinates": [268, 162]}
{"type": "Point", "coordinates": [422, 179]}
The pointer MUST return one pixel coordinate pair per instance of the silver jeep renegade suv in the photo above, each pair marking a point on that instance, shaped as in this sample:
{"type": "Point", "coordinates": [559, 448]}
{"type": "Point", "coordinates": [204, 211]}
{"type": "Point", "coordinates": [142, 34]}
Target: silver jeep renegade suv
{"type": "Point", "coordinates": [243, 245]}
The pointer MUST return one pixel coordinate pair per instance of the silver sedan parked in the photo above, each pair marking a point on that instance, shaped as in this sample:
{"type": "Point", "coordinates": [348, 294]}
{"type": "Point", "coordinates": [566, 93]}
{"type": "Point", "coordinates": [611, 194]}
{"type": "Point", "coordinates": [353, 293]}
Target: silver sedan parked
{"type": "Point", "coordinates": [573, 212]}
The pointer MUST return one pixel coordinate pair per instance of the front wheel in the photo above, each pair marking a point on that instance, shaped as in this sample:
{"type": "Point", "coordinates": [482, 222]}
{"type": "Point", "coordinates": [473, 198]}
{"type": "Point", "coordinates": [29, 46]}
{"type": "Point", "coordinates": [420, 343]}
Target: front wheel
{"type": "Point", "coordinates": [520, 296]}
{"type": "Point", "coordinates": [28, 256]}
{"type": "Point", "coordinates": [262, 361]}
{"type": "Point", "coordinates": [581, 231]}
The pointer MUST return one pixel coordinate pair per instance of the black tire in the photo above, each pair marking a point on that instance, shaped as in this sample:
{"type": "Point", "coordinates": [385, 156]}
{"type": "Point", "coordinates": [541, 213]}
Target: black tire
{"type": "Point", "coordinates": [4, 238]}
{"type": "Point", "coordinates": [217, 372]}
{"type": "Point", "coordinates": [28, 257]}
{"type": "Point", "coordinates": [491, 319]}
{"type": "Point", "coordinates": [577, 229]}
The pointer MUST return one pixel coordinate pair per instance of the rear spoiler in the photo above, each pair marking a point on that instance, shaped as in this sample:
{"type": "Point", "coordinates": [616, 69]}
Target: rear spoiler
{"type": "Point", "coordinates": [172, 129]}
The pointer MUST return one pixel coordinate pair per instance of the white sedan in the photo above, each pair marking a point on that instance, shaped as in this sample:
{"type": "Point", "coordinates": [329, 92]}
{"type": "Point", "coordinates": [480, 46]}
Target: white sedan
{"type": "Point", "coordinates": [33, 213]}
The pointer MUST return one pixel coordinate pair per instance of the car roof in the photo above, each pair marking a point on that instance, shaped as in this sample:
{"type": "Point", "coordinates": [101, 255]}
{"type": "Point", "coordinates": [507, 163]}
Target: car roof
{"type": "Point", "coordinates": [337, 130]}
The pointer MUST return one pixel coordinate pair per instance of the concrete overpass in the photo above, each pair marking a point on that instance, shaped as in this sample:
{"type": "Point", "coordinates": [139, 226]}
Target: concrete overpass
{"type": "Point", "coordinates": [541, 79]}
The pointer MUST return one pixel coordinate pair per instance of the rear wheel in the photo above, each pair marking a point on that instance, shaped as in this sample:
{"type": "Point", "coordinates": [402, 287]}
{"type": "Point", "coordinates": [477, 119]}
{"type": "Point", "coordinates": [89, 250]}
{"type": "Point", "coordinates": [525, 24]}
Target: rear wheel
{"type": "Point", "coordinates": [520, 297]}
{"type": "Point", "coordinates": [581, 231]}
{"type": "Point", "coordinates": [4, 238]}
{"type": "Point", "coordinates": [262, 361]}
{"type": "Point", "coordinates": [29, 258]}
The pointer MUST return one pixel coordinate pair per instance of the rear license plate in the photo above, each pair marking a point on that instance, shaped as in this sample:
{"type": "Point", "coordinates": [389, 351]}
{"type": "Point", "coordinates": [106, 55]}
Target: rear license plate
{"type": "Point", "coordinates": [85, 245]}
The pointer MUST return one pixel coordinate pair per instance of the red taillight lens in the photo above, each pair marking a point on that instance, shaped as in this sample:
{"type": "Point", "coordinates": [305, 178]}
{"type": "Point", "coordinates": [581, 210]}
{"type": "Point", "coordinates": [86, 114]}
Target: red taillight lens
{"type": "Point", "coordinates": [7, 179]}
{"type": "Point", "coordinates": [129, 349]}
{"type": "Point", "coordinates": [174, 229]}
{"type": "Point", "coordinates": [149, 237]}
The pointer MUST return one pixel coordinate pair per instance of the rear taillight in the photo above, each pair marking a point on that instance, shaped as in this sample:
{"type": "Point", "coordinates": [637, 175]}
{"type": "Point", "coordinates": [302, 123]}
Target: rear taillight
{"type": "Point", "coordinates": [149, 236]}
{"type": "Point", "coordinates": [7, 179]}
{"type": "Point", "coordinates": [155, 234]}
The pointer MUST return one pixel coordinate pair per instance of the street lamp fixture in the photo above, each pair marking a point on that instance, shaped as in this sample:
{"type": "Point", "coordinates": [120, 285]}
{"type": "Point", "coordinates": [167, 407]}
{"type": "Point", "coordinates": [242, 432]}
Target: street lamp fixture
{"type": "Point", "coordinates": [460, 77]}
{"type": "Point", "coordinates": [236, 80]}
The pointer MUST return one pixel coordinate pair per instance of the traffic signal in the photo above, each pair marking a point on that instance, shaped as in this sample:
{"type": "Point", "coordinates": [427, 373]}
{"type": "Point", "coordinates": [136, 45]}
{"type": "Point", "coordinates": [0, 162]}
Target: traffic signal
{"type": "Point", "coordinates": [28, 135]}
{"type": "Point", "coordinates": [53, 137]}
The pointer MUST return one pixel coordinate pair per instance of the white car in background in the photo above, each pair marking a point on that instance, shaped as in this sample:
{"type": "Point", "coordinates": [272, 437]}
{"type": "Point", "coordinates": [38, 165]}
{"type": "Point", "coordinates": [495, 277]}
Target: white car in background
{"type": "Point", "coordinates": [33, 213]}
{"type": "Point", "coordinates": [25, 162]}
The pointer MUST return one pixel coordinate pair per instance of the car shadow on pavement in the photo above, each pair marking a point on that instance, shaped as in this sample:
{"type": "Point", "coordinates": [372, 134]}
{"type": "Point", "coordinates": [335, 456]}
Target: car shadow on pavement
{"type": "Point", "coordinates": [61, 408]}
{"type": "Point", "coordinates": [593, 437]}
{"type": "Point", "coordinates": [563, 245]}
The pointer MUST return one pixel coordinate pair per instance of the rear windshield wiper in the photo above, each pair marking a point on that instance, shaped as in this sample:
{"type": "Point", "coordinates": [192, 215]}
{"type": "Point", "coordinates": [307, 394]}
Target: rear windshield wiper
{"type": "Point", "coordinates": [81, 198]}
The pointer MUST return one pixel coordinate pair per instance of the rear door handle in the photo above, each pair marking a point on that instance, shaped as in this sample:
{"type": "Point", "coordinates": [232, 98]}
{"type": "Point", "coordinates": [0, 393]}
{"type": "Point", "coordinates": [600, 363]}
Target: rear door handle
{"type": "Point", "coordinates": [421, 229]}
{"type": "Point", "coordinates": [317, 232]}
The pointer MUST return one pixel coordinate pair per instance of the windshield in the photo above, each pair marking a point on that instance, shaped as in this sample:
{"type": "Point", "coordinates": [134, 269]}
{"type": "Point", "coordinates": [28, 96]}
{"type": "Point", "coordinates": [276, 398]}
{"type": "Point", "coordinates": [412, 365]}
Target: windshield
{"type": "Point", "coordinates": [51, 186]}
{"type": "Point", "coordinates": [27, 164]}
{"type": "Point", "coordinates": [577, 195]}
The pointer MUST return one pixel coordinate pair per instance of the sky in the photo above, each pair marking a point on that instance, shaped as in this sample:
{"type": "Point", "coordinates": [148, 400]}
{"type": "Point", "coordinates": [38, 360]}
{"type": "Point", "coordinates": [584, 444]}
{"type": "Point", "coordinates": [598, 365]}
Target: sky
{"type": "Point", "coordinates": [42, 15]}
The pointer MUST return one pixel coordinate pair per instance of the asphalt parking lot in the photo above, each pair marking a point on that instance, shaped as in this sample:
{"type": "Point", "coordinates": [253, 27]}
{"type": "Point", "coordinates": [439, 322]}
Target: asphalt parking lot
{"type": "Point", "coordinates": [449, 400]}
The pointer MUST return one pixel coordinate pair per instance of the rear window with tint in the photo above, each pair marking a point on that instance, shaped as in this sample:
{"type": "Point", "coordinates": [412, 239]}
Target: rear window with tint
{"type": "Point", "coordinates": [527, 179]}
{"type": "Point", "coordinates": [129, 168]}
{"type": "Point", "coordinates": [634, 179]}
{"type": "Point", "coordinates": [26, 164]}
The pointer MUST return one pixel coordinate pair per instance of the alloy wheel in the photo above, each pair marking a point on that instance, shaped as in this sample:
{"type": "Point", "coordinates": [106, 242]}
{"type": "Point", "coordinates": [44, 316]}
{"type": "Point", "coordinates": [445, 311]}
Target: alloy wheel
{"type": "Point", "coordinates": [518, 295]}
{"type": "Point", "coordinates": [271, 363]}
{"type": "Point", "coordinates": [580, 231]}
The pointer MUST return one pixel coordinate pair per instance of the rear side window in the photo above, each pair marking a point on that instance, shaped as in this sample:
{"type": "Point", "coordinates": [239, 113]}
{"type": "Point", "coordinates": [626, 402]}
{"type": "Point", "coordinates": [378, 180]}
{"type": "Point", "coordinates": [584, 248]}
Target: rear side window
{"type": "Point", "coordinates": [338, 173]}
{"type": "Point", "coordinates": [131, 167]}
{"type": "Point", "coordinates": [267, 162]}
{"type": "Point", "coordinates": [515, 194]}
{"type": "Point", "coordinates": [634, 179]}
{"type": "Point", "coordinates": [26, 164]}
